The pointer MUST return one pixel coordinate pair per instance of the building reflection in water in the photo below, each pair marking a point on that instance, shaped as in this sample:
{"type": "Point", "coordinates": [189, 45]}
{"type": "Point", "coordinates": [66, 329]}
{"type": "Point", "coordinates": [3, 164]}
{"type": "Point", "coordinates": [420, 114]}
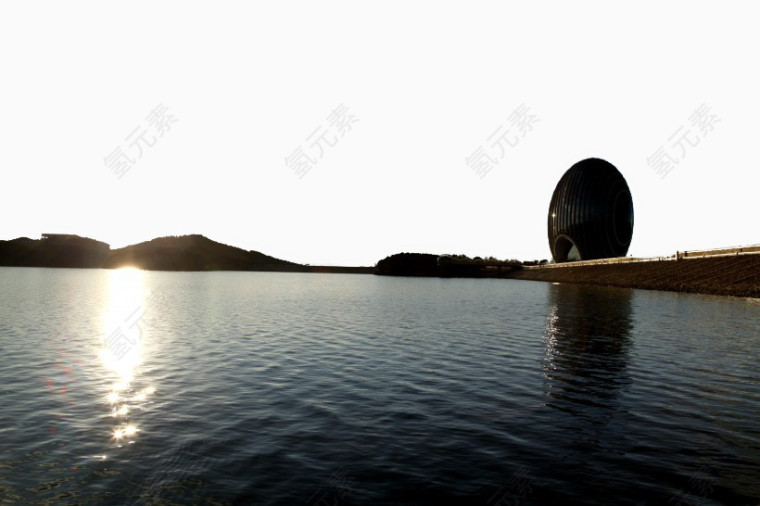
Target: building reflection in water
{"type": "Point", "coordinates": [587, 341]}
{"type": "Point", "coordinates": [123, 350]}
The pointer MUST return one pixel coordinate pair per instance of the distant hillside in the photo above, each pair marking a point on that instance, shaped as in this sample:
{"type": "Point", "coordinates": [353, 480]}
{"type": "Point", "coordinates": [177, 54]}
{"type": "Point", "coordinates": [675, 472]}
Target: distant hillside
{"type": "Point", "coordinates": [182, 253]}
{"type": "Point", "coordinates": [193, 253]}
{"type": "Point", "coordinates": [53, 250]}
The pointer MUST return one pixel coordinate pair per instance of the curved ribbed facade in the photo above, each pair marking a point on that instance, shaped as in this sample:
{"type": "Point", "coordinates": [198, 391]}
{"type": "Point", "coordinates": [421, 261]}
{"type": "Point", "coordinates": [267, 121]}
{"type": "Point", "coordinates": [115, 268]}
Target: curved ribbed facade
{"type": "Point", "coordinates": [591, 213]}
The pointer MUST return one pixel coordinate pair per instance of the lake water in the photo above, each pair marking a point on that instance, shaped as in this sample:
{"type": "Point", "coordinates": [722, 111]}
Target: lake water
{"type": "Point", "coordinates": [131, 387]}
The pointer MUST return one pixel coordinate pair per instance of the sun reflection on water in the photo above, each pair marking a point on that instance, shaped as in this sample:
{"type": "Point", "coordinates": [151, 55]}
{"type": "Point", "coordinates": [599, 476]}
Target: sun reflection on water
{"type": "Point", "coordinates": [123, 348]}
{"type": "Point", "coordinates": [551, 332]}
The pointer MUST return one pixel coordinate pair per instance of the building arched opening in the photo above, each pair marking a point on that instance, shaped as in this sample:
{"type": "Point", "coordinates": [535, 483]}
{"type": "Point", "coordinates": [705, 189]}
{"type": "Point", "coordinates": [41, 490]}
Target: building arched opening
{"type": "Point", "coordinates": [565, 250]}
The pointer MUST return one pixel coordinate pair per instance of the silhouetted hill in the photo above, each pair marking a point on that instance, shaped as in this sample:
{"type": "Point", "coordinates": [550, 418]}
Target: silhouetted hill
{"type": "Point", "coordinates": [194, 253]}
{"type": "Point", "coordinates": [174, 253]}
{"type": "Point", "coordinates": [53, 250]}
{"type": "Point", "coordinates": [182, 253]}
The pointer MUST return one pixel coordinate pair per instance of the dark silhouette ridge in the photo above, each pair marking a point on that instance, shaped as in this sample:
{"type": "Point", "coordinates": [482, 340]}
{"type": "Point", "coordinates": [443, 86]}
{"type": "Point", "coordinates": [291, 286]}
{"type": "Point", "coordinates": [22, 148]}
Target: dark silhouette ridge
{"type": "Point", "coordinates": [174, 253]}
{"type": "Point", "coordinates": [192, 253]}
{"type": "Point", "coordinates": [53, 250]}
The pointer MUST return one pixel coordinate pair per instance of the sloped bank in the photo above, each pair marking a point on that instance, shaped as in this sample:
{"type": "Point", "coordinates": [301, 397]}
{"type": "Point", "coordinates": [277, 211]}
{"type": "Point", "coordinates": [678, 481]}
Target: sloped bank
{"type": "Point", "coordinates": [737, 275]}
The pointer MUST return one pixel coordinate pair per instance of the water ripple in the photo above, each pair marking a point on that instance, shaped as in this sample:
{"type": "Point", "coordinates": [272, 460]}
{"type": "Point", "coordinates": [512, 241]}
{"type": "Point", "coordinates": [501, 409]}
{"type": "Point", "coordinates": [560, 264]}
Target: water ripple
{"type": "Point", "coordinates": [272, 388]}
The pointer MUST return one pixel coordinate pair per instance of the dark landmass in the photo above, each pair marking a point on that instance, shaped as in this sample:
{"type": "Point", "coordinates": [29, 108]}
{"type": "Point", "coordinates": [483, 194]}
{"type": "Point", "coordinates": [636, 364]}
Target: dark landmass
{"type": "Point", "coordinates": [446, 266]}
{"type": "Point", "coordinates": [53, 250]}
{"type": "Point", "coordinates": [408, 264]}
{"type": "Point", "coordinates": [181, 253]}
{"type": "Point", "coordinates": [193, 253]}
{"type": "Point", "coordinates": [737, 275]}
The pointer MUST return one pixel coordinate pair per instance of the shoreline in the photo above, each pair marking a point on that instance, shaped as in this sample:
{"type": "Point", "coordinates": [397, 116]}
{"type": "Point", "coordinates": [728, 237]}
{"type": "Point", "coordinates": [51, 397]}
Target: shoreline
{"type": "Point", "coordinates": [734, 275]}
{"type": "Point", "coordinates": [726, 275]}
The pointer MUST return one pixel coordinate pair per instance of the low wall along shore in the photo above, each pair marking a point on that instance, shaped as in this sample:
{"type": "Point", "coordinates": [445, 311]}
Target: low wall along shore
{"type": "Point", "coordinates": [728, 271]}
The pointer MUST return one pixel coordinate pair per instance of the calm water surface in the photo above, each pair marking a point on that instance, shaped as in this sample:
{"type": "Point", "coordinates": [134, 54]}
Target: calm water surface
{"type": "Point", "coordinates": [130, 387]}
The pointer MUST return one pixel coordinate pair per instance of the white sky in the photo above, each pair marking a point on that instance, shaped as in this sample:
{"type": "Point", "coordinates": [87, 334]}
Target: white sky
{"type": "Point", "coordinates": [428, 83]}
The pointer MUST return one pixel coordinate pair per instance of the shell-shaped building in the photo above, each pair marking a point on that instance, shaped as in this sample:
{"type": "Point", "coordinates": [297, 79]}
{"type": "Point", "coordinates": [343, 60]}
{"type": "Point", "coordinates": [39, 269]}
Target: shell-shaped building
{"type": "Point", "coordinates": [591, 213]}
